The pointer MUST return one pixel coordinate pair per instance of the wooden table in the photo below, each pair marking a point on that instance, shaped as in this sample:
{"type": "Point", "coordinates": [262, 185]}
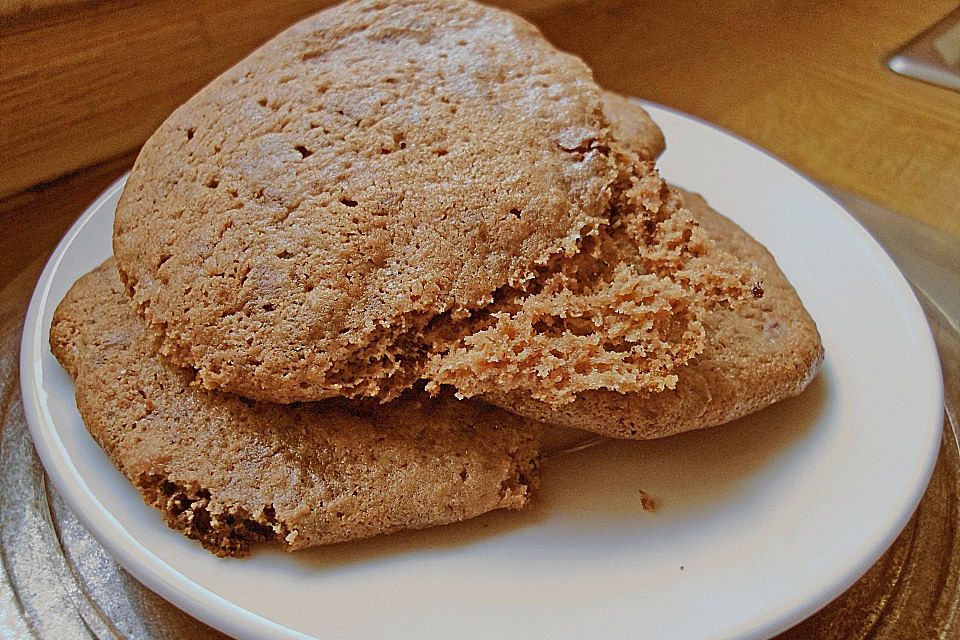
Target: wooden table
{"type": "Point", "coordinates": [85, 83]}
{"type": "Point", "coordinates": [82, 84]}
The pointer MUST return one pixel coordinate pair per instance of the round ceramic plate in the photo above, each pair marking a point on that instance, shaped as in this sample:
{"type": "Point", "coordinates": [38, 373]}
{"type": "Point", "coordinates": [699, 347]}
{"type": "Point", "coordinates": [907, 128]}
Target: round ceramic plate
{"type": "Point", "coordinates": [759, 523]}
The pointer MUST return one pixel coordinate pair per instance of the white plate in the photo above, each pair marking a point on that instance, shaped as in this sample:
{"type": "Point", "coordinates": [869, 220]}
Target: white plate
{"type": "Point", "coordinates": [759, 523]}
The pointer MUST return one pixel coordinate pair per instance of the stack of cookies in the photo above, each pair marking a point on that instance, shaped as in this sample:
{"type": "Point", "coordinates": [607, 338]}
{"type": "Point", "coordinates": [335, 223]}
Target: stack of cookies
{"type": "Point", "coordinates": [361, 273]}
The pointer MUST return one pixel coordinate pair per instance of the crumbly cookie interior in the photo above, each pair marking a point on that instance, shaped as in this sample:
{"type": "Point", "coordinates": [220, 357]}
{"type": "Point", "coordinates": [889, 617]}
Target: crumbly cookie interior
{"type": "Point", "coordinates": [623, 313]}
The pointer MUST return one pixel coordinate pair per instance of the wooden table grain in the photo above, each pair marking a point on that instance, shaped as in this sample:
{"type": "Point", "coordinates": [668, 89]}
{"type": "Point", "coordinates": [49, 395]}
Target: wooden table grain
{"type": "Point", "coordinates": [804, 79]}
{"type": "Point", "coordinates": [86, 83]}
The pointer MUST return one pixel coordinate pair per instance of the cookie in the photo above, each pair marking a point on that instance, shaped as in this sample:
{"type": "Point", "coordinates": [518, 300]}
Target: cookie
{"type": "Point", "coordinates": [633, 126]}
{"type": "Point", "coordinates": [757, 352]}
{"type": "Point", "coordinates": [339, 213]}
{"type": "Point", "coordinates": [231, 472]}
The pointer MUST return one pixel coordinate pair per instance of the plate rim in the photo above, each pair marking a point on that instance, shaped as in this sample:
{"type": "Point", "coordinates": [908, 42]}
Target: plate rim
{"type": "Point", "coordinates": [802, 611]}
{"type": "Point", "coordinates": [221, 613]}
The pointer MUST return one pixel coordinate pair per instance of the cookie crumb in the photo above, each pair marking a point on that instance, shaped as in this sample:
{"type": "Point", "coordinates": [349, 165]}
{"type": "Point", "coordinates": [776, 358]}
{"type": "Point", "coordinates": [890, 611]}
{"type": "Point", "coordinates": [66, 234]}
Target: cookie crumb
{"type": "Point", "coordinates": [647, 502]}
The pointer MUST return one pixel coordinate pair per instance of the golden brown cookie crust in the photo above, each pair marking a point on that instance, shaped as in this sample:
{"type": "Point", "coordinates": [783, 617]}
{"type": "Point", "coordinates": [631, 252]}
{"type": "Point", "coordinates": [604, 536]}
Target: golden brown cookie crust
{"type": "Point", "coordinates": [231, 472]}
{"type": "Point", "coordinates": [293, 228]}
